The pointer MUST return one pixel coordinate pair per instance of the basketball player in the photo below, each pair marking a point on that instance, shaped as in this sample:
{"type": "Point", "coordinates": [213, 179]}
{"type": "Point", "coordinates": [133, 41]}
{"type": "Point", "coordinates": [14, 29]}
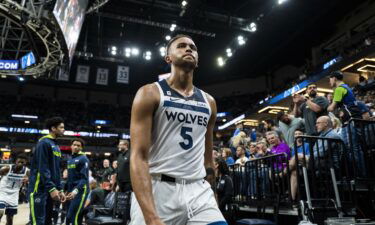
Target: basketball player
{"type": "Point", "coordinates": [10, 185]}
{"type": "Point", "coordinates": [171, 134]}
{"type": "Point", "coordinates": [45, 182]}
{"type": "Point", "coordinates": [78, 182]}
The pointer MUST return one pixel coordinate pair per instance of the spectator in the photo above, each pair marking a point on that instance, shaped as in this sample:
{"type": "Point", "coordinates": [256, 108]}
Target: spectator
{"type": "Point", "coordinates": [311, 108]}
{"type": "Point", "coordinates": [324, 127]}
{"type": "Point", "coordinates": [288, 124]}
{"type": "Point", "coordinates": [270, 125]}
{"type": "Point", "coordinates": [227, 156]}
{"type": "Point", "coordinates": [344, 98]}
{"type": "Point", "coordinates": [106, 172]}
{"type": "Point", "coordinates": [336, 123]}
{"type": "Point", "coordinates": [114, 166]}
{"type": "Point", "coordinates": [261, 150]}
{"type": "Point", "coordinates": [242, 159]}
{"type": "Point", "coordinates": [123, 172]}
{"type": "Point", "coordinates": [277, 147]}
{"type": "Point", "coordinates": [302, 149]}
{"type": "Point", "coordinates": [224, 187]}
{"type": "Point", "coordinates": [253, 150]}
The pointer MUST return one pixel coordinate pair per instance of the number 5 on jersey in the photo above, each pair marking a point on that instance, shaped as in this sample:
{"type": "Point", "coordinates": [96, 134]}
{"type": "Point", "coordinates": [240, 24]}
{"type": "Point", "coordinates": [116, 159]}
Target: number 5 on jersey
{"type": "Point", "coordinates": [186, 135]}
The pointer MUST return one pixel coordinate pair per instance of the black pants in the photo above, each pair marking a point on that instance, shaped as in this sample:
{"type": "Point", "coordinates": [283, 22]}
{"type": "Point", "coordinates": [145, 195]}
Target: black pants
{"type": "Point", "coordinates": [125, 186]}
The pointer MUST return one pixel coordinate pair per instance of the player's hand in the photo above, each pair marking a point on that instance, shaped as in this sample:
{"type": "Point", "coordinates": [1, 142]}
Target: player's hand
{"type": "Point", "coordinates": [71, 196]}
{"type": "Point", "coordinates": [55, 195]}
{"type": "Point", "coordinates": [62, 197]}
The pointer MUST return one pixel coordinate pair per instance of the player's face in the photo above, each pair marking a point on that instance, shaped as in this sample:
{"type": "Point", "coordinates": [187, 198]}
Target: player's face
{"type": "Point", "coordinates": [20, 163]}
{"type": "Point", "coordinates": [183, 53]}
{"type": "Point", "coordinates": [76, 147]}
{"type": "Point", "coordinates": [59, 130]}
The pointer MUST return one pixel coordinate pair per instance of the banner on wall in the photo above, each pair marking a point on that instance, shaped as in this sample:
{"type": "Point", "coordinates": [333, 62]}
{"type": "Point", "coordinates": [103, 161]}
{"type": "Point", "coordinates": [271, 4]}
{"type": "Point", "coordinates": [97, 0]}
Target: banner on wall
{"type": "Point", "coordinates": [63, 75]}
{"type": "Point", "coordinates": [82, 74]}
{"type": "Point", "coordinates": [123, 74]}
{"type": "Point", "coordinates": [102, 76]}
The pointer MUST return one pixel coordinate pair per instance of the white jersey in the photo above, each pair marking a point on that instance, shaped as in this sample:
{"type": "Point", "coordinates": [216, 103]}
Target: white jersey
{"type": "Point", "coordinates": [178, 134]}
{"type": "Point", "coordinates": [10, 186]}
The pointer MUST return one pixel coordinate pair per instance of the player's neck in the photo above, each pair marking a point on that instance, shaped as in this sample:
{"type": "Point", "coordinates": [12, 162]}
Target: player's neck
{"type": "Point", "coordinates": [53, 135]}
{"type": "Point", "coordinates": [181, 80]}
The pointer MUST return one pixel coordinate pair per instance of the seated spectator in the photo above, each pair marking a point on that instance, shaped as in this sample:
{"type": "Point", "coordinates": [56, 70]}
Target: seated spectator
{"type": "Point", "coordinates": [253, 150]}
{"type": "Point", "coordinates": [261, 150]}
{"type": "Point", "coordinates": [227, 156]}
{"type": "Point", "coordinates": [241, 157]}
{"type": "Point", "coordinates": [302, 149]}
{"type": "Point", "coordinates": [288, 124]}
{"type": "Point", "coordinates": [324, 127]}
{"type": "Point", "coordinates": [337, 126]}
{"type": "Point", "coordinates": [277, 148]}
{"type": "Point", "coordinates": [224, 187]}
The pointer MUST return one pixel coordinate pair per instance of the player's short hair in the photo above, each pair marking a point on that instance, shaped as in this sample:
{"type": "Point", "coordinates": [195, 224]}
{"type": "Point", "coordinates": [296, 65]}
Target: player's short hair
{"type": "Point", "coordinates": [178, 36]}
{"type": "Point", "coordinates": [79, 140]}
{"type": "Point", "coordinates": [22, 156]}
{"type": "Point", "coordinates": [53, 122]}
{"type": "Point", "coordinates": [337, 74]}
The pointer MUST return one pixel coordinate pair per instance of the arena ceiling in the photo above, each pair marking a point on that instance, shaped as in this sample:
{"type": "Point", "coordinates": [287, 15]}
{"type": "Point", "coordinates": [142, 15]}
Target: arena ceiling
{"type": "Point", "coordinates": [285, 34]}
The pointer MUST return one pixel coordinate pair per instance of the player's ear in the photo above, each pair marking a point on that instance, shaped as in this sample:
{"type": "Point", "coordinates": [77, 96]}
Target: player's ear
{"type": "Point", "coordinates": [167, 59]}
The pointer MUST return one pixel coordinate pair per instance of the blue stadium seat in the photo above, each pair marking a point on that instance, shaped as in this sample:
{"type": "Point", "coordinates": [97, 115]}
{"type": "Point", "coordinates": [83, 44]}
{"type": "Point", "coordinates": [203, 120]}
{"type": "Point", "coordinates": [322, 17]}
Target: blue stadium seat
{"type": "Point", "coordinates": [254, 222]}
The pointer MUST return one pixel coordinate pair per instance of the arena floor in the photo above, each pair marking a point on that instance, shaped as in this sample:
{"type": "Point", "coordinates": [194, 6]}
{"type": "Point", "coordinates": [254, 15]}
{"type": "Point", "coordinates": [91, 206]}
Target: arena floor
{"type": "Point", "coordinates": [21, 218]}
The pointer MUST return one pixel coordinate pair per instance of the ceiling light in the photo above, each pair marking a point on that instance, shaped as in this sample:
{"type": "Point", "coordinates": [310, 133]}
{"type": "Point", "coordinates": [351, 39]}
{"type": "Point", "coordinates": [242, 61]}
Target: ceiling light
{"type": "Point", "coordinates": [173, 27]}
{"type": "Point", "coordinates": [114, 48]}
{"type": "Point", "coordinates": [128, 50]}
{"type": "Point", "coordinates": [220, 61]}
{"type": "Point", "coordinates": [135, 51]}
{"type": "Point", "coordinates": [229, 54]}
{"type": "Point", "coordinates": [21, 79]}
{"type": "Point", "coordinates": [241, 40]}
{"type": "Point", "coordinates": [252, 27]}
{"type": "Point", "coordinates": [168, 37]}
{"type": "Point", "coordinates": [184, 3]}
{"type": "Point", "coordinates": [114, 52]}
{"type": "Point", "coordinates": [127, 54]}
{"type": "Point", "coordinates": [281, 1]}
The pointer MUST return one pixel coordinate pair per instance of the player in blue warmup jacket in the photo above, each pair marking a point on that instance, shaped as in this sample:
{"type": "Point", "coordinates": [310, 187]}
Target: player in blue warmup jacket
{"type": "Point", "coordinates": [44, 183]}
{"type": "Point", "coordinates": [78, 182]}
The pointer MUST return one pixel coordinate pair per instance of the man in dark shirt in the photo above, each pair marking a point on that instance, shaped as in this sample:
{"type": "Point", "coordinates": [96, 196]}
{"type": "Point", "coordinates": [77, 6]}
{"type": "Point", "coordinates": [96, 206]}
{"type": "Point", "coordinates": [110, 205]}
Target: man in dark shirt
{"type": "Point", "coordinates": [311, 108]}
{"type": "Point", "coordinates": [123, 172]}
{"type": "Point", "coordinates": [106, 172]}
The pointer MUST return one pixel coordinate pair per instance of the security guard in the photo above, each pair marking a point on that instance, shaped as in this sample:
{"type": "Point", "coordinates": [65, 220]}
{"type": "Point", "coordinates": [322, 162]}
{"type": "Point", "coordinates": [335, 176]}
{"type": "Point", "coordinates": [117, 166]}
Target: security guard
{"type": "Point", "coordinates": [44, 183]}
{"type": "Point", "coordinates": [78, 182]}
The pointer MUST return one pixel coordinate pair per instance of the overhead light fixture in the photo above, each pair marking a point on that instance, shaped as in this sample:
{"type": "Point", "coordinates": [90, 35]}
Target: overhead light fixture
{"type": "Point", "coordinates": [220, 61]}
{"type": "Point", "coordinates": [135, 51]}
{"type": "Point", "coordinates": [168, 37]}
{"type": "Point", "coordinates": [252, 27]}
{"type": "Point", "coordinates": [173, 27]}
{"type": "Point", "coordinates": [114, 48]}
{"type": "Point", "coordinates": [3, 76]}
{"type": "Point", "coordinates": [147, 55]}
{"type": "Point", "coordinates": [229, 52]}
{"type": "Point", "coordinates": [27, 122]}
{"type": "Point", "coordinates": [127, 54]}
{"type": "Point", "coordinates": [184, 3]}
{"type": "Point", "coordinates": [20, 78]}
{"type": "Point", "coordinates": [107, 154]}
{"type": "Point", "coordinates": [281, 1]}
{"type": "Point", "coordinates": [27, 150]}
{"type": "Point", "coordinates": [114, 52]}
{"type": "Point", "coordinates": [162, 51]}
{"type": "Point", "coordinates": [241, 40]}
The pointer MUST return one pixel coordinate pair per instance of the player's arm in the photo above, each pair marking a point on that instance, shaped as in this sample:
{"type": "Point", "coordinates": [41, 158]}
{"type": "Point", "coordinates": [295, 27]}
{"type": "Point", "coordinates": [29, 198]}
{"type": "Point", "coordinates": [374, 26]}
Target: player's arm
{"type": "Point", "coordinates": [144, 104]}
{"type": "Point", "coordinates": [42, 150]}
{"type": "Point", "coordinates": [42, 154]}
{"type": "Point", "coordinates": [4, 170]}
{"type": "Point", "coordinates": [83, 179]}
{"type": "Point", "coordinates": [208, 161]}
{"type": "Point", "coordinates": [332, 107]}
